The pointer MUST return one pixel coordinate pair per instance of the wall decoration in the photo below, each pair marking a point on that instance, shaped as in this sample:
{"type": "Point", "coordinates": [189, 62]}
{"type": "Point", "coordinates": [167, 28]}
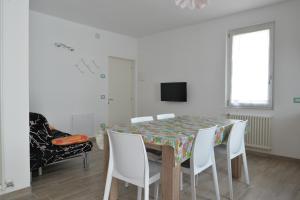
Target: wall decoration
{"type": "Point", "coordinates": [79, 69]}
{"type": "Point", "coordinates": [87, 66]}
{"type": "Point", "coordinates": [84, 65]}
{"type": "Point", "coordinates": [97, 66]}
{"type": "Point", "coordinates": [64, 46]}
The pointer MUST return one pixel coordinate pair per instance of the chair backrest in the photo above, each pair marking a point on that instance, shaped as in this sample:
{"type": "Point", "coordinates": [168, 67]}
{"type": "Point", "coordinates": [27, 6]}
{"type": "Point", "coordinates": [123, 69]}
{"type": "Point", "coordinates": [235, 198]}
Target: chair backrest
{"type": "Point", "coordinates": [165, 116]}
{"type": "Point", "coordinates": [129, 157]}
{"type": "Point", "coordinates": [141, 119]}
{"type": "Point", "coordinates": [36, 119]}
{"type": "Point", "coordinates": [203, 148]}
{"type": "Point", "coordinates": [236, 140]}
{"type": "Point", "coordinates": [40, 132]}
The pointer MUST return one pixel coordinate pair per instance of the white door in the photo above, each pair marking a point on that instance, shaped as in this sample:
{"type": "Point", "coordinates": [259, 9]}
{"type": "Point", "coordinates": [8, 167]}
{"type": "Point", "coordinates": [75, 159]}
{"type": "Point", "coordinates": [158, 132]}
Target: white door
{"type": "Point", "coordinates": [121, 92]}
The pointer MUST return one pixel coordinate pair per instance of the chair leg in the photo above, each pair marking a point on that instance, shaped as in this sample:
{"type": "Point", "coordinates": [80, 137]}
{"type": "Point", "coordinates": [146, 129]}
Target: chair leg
{"type": "Point", "coordinates": [156, 190]}
{"type": "Point", "coordinates": [107, 186]}
{"type": "Point", "coordinates": [246, 172]}
{"type": "Point", "coordinates": [139, 193]}
{"type": "Point", "coordinates": [85, 160]}
{"type": "Point", "coordinates": [181, 181]}
{"type": "Point", "coordinates": [230, 178]}
{"type": "Point", "coordinates": [146, 192]}
{"type": "Point", "coordinates": [216, 183]}
{"type": "Point", "coordinates": [193, 186]}
{"type": "Point", "coordinates": [40, 171]}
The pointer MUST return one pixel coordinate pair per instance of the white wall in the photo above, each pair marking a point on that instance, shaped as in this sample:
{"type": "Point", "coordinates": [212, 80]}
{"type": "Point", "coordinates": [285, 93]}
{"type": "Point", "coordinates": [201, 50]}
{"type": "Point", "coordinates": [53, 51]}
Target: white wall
{"type": "Point", "coordinates": [57, 88]}
{"type": "Point", "coordinates": [15, 93]}
{"type": "Point", "coordinates": [196, 54]}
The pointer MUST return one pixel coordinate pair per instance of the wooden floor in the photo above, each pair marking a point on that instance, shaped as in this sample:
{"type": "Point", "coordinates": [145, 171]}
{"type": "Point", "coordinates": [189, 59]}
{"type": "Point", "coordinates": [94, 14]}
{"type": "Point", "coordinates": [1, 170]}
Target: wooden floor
{"type": "Point", "coordinates": [271, 179]}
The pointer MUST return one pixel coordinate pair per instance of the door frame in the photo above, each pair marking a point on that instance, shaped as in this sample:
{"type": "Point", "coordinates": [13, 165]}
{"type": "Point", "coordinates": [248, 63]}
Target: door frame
{"type": "Point", "coordinates": [2, 46]}
{"type": "Point", "coordinates": [134, 84]}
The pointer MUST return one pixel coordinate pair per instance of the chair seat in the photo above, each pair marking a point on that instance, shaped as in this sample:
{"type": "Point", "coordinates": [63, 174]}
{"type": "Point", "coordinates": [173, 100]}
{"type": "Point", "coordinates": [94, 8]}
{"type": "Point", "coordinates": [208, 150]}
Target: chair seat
{"type": "Point", "coordinates": [64, 152]}
{"type": "Point", "coordinates": [154, 155]}
{"type": "Point", "coordinates": [154, 171]}
{"type": "Point", "coordinates": [186, 167]}
{"type": "Point", "coordinates": [186, 164]}
{"type": "Point", "coordinates": [59, 134]}
{"type": "Point", "coordinates": [221, 149]}
{"type": "Point", "coordinates": [153, 151]}
{"type": "Point", "coordinates": [55, 153]}
{"type": "Point", "coordinates": [221, 152]}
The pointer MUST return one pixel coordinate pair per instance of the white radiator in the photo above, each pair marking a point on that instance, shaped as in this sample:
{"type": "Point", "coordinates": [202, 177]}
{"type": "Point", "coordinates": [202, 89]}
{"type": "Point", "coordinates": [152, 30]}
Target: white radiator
{"type": "Point", "coordinates": [1, 70]}
{"type": "Point", "coordinates": [83, 123]}
{"type": "Point", "coordinates": [258, 135]}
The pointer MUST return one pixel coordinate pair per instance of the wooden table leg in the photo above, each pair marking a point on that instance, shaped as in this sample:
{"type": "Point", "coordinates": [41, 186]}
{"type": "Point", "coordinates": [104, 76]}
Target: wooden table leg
{"type": "Point", "coordinates": [236, 164]}
{"type": "Point", "coordinates": [114, 184]}
{"type": "Point", "coordinates": [170, 175]}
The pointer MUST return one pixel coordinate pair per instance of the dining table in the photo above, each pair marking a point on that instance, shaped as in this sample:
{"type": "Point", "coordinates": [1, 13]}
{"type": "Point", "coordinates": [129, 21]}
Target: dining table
{"type": "Point", "coordinates": [174, 138]}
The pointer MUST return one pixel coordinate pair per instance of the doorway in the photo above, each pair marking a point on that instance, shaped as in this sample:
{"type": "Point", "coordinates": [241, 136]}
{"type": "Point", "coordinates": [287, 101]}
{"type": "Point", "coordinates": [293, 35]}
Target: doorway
{"type": "Point", "coordinates": [121, 90]}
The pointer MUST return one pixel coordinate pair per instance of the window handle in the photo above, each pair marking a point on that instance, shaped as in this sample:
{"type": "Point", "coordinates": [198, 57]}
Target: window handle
{"type": "Point", "coordinates": [270, 80]}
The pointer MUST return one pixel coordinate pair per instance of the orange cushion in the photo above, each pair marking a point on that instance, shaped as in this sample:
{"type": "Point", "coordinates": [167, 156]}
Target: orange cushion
{"type": "Point", "coordinates": [74, 139]}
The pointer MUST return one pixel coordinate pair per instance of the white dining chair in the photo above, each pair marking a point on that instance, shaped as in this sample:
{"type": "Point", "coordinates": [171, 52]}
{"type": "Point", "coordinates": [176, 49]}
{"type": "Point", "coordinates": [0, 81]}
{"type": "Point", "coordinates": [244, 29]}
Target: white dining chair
{"type": "Point", "coordinates": [152, 154]}
{"type": "Point", "coordinates": [141, 119]}
{"type": "Point", "coordinates": [203, 157]}
{"type": "Point", "coordinates": [165, 116]}
{"type": "Point", "coordinates": [128, 162]}
{"type": "Point", "coordinates": [235, 147]}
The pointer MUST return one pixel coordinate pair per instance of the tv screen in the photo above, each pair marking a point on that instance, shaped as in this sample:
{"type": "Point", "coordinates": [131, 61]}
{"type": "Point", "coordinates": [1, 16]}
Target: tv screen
{"type": "Point", "coordinates": [173, 91]}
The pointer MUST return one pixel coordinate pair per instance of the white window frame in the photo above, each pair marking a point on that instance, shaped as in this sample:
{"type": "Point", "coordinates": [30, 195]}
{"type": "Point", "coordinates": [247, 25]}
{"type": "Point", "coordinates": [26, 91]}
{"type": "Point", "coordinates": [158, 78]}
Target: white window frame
{"type": "Point", "coordinates": [270, 26]}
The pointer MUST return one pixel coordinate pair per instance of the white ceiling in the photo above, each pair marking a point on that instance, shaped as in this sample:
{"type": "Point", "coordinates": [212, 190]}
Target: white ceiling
{"type": "Point", "coordinates": [139, 18]}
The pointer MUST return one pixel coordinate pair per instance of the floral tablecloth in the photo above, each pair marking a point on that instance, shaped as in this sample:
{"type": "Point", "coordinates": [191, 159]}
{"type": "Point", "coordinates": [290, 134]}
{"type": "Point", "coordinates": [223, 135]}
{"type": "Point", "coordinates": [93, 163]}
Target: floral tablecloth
{"type": "Point", "coordinates": [178, 132]}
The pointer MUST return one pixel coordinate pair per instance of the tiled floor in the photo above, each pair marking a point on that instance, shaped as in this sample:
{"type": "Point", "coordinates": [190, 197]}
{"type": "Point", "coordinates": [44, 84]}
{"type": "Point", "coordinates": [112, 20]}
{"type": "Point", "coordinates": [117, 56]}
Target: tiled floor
{"type": "Point", "coordinates": [271, 179]}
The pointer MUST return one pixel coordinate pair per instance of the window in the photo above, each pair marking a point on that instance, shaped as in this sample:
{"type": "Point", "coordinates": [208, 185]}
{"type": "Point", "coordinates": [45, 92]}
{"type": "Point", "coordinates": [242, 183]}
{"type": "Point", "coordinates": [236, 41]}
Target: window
{"type": "Point", "coordinates": [250, 67]}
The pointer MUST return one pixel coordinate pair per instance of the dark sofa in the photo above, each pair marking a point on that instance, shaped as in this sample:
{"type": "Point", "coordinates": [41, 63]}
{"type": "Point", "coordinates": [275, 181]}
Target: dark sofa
{"type": "Point", "coordinates": [43, 152]}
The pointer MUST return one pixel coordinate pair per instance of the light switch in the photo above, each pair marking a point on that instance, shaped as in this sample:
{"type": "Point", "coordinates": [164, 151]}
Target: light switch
{"type": "Point", "coordinates": [296, 99]}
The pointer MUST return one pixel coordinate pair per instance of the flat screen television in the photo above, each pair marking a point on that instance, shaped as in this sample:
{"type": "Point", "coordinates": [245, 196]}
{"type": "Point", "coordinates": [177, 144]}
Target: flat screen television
{"type": "Point", "coordinates": [175, 91]}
